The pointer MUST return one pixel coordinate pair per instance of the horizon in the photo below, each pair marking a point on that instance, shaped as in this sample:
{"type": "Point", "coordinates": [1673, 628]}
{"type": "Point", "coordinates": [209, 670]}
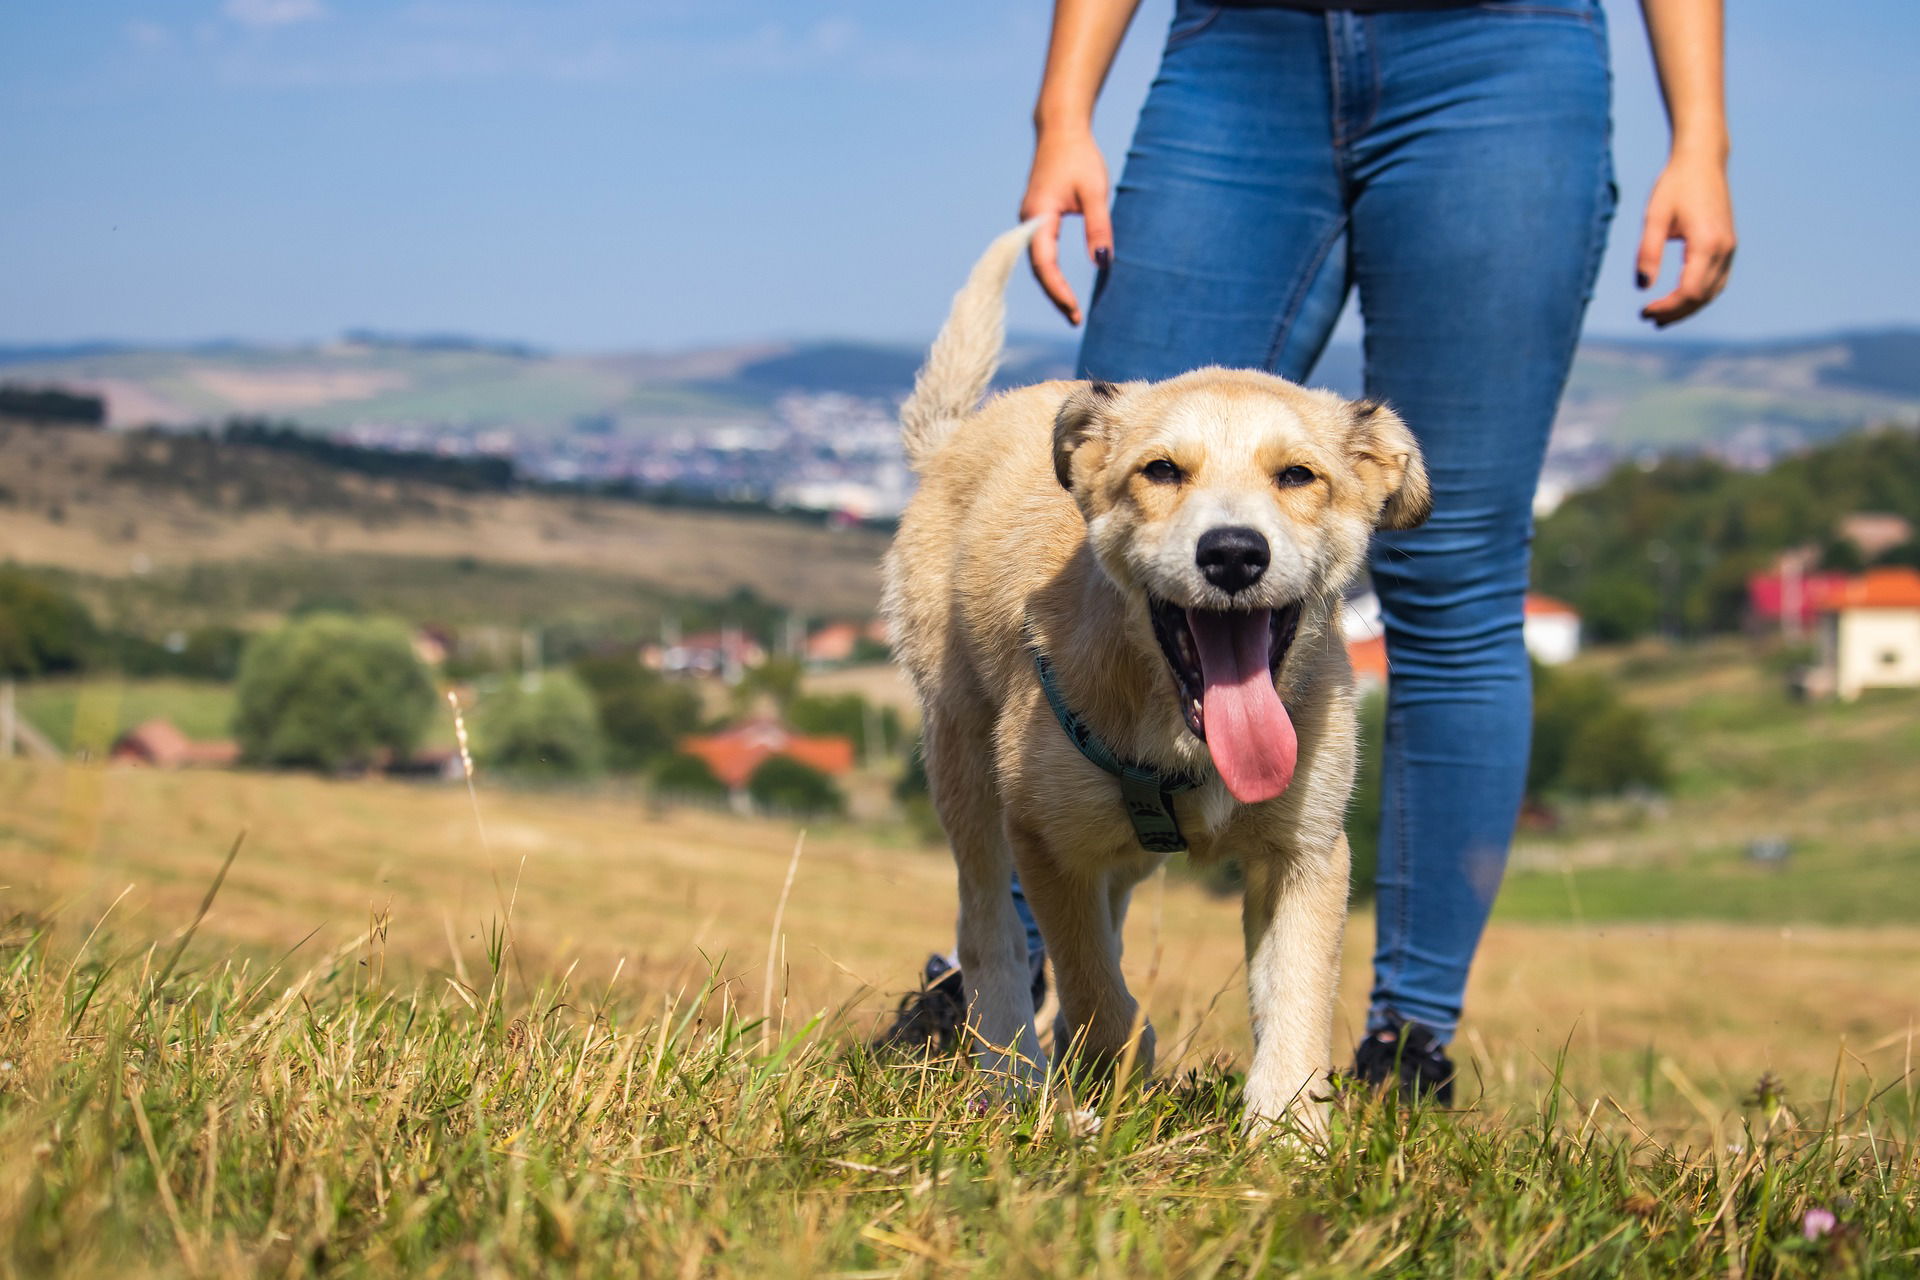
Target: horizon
{"type": "Point", "coordinates": [589, 175]}
{"type": "Point", "coordinates": [1343, 340]}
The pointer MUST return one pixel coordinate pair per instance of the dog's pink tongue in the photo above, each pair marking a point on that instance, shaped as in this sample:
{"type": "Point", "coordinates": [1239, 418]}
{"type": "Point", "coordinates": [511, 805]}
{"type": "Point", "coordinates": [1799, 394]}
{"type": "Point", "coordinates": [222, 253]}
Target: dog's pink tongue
{"type": "Point", "coordinates": [1248, 730]}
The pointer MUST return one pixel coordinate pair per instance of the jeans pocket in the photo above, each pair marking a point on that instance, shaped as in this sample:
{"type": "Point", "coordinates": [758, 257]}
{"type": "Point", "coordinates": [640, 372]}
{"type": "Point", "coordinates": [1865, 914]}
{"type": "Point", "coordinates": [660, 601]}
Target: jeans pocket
{"type": "Point", "coordinates": [1189, 20]}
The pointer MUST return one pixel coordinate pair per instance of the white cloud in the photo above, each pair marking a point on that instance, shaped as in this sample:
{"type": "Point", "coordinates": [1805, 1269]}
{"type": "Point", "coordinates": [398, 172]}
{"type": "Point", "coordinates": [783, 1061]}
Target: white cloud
{"type": "Point", "coordinates": [148, 35]}
{"type": "Point", "coordinates": [274, 13]}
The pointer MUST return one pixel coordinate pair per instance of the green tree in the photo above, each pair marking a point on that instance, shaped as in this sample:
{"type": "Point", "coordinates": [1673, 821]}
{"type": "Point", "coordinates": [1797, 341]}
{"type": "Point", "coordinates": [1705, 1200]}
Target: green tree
{"type": "Point", "coordinates": [1619, 606]}
{"type": "Point", "coordinates": [642, 714]}
{"type": "Point", "coordinates": [42, 630]}
{"type": "Point", "coordinates": [785, 785]}
{"type": "Point", "coordinates": [845, 715]}
{"type": "Point", "coordinates": [546, 728]}
{"type": "Point", "coordinates": [686, 776]}
{"type": "Point", "coordinates": [778, 678]}
{"type": "Point", "coordinates": [1363, 812]}
{"type": "Point", "coordinates": [1587, 741]}
{"type": "Point", "coordinates": [331, 692]}
{"type": "Point", "coordinates": [1675, 541]}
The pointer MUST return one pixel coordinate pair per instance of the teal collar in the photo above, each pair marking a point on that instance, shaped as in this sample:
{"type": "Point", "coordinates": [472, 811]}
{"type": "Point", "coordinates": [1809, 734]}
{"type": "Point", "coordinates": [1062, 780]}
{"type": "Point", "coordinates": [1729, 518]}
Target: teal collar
{"type": "Point", "coordinates": [1146, 792]}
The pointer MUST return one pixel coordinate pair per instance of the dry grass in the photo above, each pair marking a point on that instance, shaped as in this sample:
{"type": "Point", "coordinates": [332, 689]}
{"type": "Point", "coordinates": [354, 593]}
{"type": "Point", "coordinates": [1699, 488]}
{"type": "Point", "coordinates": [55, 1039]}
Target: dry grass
{"type": "Point", "coordinates": [602, 882]}
{"type": "Point", "coordinates": [63, 509]}
{"type": "Point", "coordinates": [395, 1044]}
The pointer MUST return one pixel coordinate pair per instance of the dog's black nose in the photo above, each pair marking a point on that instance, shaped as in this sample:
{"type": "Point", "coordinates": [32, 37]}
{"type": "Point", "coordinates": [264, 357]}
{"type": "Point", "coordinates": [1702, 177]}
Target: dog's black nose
{"type": "Point", "coordinates": [1232, 558]}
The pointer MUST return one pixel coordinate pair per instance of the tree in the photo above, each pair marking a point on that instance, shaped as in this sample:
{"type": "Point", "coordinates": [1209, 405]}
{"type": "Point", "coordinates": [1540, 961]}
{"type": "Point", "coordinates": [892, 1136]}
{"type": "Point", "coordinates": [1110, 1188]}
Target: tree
{"type": "Point", "coordinates": [1587, 741]}
{"type": "Point", "coordinates": [1619, 606]}
{"type": "Point", "coordinates": [42, 630]}
{"type": "Point", "coordinates": [1363, 811]}
{"type": "Point", "coordinates": [549, 728]}
{"type": "Point", "coordinates": [331, 692]}
{"type": "Point", "coordinates": [782, 784]}
{"type": "Point", "coordinates": [687, 777]}
{"type": "Point", "coordinates": [844, 715]}
{"type": "Point", "coordinates": [642, 714]}
{"type": "Point", "coordinates": [777, 678]}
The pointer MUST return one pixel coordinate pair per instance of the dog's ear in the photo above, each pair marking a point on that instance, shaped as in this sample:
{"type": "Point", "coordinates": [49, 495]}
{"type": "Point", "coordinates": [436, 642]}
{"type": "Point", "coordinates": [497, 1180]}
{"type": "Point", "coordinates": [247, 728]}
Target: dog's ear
{"type": "Point", "coordinates": [1079, 426]}
{"type": "Point", "coordinates": [1387, 458]}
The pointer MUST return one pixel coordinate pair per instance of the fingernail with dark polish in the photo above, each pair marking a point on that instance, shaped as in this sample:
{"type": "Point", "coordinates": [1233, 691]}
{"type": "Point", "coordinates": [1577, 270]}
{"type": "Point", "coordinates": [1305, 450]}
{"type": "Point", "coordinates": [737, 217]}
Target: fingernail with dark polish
{"type": "Point", "coordinates": [1640, 279]}
{"type": "Point", "coordinates": [1103, 257]}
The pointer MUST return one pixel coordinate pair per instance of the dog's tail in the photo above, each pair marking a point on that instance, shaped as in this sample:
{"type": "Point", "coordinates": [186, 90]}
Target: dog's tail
{"type": "Point", "coordinates": [963, 358]}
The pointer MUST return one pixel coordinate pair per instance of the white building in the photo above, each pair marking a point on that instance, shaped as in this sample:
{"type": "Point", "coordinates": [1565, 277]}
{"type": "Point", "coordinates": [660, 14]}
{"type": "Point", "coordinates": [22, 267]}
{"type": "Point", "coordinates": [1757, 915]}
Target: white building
{"type": "Point", "coordinates": [1870, 634]}
{"type": "Point", "coordinates": [1552, 629]}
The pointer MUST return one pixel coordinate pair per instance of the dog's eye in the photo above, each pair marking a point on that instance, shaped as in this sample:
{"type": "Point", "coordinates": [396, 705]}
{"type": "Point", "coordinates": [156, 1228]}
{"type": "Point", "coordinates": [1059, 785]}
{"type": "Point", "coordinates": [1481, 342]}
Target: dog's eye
{"type": "Point", "coordinates": [1292, 477]}
{"type": "Point", "coordinates": [1160, 471]}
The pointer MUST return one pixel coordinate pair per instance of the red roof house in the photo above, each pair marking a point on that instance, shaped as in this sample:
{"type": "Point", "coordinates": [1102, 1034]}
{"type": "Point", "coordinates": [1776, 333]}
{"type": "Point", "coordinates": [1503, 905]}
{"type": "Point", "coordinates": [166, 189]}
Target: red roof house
{"type": "Point", "coordinates": [158, 744]}
{"type": "Point", "coordinates": [734, 753]}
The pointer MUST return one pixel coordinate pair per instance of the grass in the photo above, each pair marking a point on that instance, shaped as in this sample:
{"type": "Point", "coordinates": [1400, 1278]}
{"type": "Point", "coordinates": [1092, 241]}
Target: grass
{"type": "Point", "coordinates": [1837, 781]}
{"type": "Point", "coordinates": [195, 551]}
{"type": "Point", "coordinates": [409, 1035]}
{"type": "Point", "coordinates": [533, 1032]}
{"type": "Point", "coordinates": [223, 1116]}
{"type": "Point", "coordinates": [94, 712]}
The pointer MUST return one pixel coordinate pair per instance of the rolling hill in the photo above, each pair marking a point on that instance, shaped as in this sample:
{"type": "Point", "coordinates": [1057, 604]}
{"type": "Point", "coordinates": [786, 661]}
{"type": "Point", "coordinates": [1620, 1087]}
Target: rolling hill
{"type": "Point", "coordinates": [1626, 395]}
{"type": "Point", "coordinates": [174, 529]}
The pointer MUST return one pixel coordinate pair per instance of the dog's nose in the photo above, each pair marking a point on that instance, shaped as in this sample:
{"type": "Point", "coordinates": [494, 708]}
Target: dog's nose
{"type": "Point", "coordinates": [1232, 558]}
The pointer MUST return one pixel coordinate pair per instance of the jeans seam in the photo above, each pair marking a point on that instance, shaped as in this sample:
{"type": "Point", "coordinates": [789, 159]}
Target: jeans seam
{"type": "Point", "coordinates": [1301, 288]}
{"type": "Point", "coordinates": [1333, 70]}
{"type": "Point", "coordinates": [1179, 35]}
{"type": "Point", "coordinates": [1404, 917]}
{"type": "Point", "coordinates": [1365, 24]}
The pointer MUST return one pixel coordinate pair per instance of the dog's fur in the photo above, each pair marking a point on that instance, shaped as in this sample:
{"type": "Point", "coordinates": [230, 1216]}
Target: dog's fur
{"type": "Point", "coordinates": [1033, 512]}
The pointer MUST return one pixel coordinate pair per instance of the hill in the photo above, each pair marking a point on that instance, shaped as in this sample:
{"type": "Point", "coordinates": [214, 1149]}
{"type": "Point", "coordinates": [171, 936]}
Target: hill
{"type": "Point", "coordinates": [203, 527]}
{"type": "Point", "coordinates": [1625, 394]}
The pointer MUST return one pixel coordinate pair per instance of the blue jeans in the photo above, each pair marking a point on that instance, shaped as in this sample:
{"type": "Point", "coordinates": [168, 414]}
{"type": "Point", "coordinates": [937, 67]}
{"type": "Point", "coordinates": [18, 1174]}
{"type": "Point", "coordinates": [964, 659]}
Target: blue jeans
{"type": "Point", "coordinates": [1454, 166]}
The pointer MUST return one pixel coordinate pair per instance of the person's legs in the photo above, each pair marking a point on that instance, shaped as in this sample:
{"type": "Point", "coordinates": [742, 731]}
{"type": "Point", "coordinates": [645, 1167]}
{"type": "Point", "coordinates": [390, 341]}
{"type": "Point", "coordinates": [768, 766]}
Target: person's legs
{"type": "Point", "coordinates": [1229, 220]}
{"type": "Point", "coordinates": [1482, 194]}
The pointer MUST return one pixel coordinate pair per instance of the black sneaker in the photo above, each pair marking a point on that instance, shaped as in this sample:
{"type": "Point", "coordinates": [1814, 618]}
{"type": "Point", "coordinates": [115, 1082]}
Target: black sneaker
{"type": "Point", "coordinates": [928, 1021]}
{"type": "Point", "coordinates": [1406, 1052]}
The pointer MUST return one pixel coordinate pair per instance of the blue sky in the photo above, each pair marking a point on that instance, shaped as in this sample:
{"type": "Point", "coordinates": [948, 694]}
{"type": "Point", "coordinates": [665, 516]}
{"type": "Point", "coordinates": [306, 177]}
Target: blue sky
{"type": "Point", "coordinates": [596, 174]}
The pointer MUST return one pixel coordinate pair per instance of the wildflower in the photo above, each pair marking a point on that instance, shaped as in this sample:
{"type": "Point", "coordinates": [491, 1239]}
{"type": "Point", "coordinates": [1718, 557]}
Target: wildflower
{"type": "Point", "coordinates": [1083, 1123]}
{"type": "Point", "coordinates": [1817, 1223]}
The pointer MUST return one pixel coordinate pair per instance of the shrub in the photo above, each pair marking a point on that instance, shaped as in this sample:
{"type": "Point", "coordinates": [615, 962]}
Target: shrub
{"type": "Point", "coordinates": [777, 678]}
{"type": "Point", "coordinates": [1619, 606]}
{"type": "Point", "coordinates": [205, 653]}
{"type": "Point", "coordinates": [785, 785]}
{"type": "Point", "coordinates": [641, 714]}
{"type": "Point", "coordinates": [1586, 741]}
{"type": "Point", "coordinates": [547, 728]}
{"type": "Point", "coordinates": [331, 692]}
{"type": "Point", "coordinates": [845, 715]}
{"type": "Point", "coordinates": [42, 630]}
{"type": "Point", "coordinates": [687, 777]}
{"type": "Point", "coordinates": [1363, 813]}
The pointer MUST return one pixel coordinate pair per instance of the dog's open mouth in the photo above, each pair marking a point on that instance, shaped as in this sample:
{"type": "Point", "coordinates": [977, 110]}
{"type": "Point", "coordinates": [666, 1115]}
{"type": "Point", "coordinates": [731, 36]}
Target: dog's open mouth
{"type": "Point", "coordinates": [1223, 664]}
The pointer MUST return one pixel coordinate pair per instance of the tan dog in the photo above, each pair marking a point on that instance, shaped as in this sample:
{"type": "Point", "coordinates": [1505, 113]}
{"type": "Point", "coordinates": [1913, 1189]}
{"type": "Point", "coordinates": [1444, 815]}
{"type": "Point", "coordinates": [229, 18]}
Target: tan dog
{"type": "Point", "coordinates": [1175, 553]}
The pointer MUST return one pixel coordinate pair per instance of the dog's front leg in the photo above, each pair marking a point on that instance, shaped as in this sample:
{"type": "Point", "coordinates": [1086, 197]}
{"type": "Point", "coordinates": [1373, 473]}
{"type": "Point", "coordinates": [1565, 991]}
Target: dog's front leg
{"type": "Point", "coordinates": [1081, 916]}
{"type": "Point", "coordinates": [1295, 908]}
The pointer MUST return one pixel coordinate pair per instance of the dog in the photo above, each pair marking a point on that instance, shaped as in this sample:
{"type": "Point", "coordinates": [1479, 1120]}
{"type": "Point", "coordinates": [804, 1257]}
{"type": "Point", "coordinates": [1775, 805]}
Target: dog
{"type": "Point", "coordinates": [1118, 605]}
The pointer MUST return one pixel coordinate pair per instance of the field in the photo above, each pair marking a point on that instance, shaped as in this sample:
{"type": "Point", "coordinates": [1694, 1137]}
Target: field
{"type": "Point", "coordinates": [150, 533]}
{"type": "Point", "coordinates": [523, 1032]}
{"type": "Point", "coordinates": [1838, 782]}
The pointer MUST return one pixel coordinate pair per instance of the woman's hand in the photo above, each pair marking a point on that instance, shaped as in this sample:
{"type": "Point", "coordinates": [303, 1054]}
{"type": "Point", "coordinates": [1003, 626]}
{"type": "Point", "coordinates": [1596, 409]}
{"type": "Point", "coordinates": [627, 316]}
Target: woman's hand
{"type": "Point", "coordinates": [1069, 176]}
{"type": "Point", "coordinates": [1690, 203]}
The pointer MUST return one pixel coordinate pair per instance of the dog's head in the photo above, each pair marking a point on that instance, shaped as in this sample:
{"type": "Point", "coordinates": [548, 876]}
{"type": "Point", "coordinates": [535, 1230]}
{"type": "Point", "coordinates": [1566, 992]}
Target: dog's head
{"type": "Point", "coordinates": [1222, 502]}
